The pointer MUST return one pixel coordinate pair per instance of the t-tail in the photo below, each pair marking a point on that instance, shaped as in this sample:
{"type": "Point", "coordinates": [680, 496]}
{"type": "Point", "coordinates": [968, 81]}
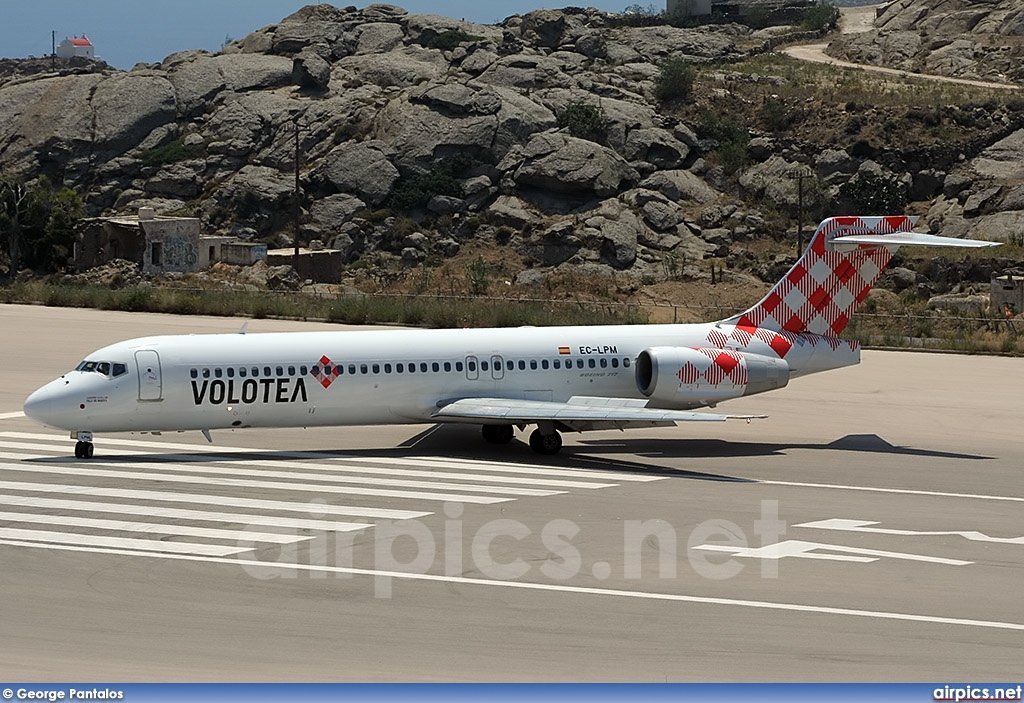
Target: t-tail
{"type": "Point", "coordinates": [802, 317]}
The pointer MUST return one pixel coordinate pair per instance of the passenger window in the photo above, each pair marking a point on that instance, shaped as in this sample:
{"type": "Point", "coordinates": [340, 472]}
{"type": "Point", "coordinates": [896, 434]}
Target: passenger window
{"type": "Point", "coordinates": [625, 362]}
{"type": "Point", "coordinates": [255, 372]}
{"type": "Point", "coordinates": [266, 371]}
{"type": "Point", "coordinates": [206, 373]}
{"type": "Point", "coordinates": [280, 371]}
{"type": "Point", "coordinates": [604, 363]}
{"type": "Point", "coordinates": [484, 366]}
{"type": "Point", "coordinates": [303, 370]}
{"type": "Point", "coordinates": [436, 367]}
{"type": "Point", "coordinates": [510, 365]}
{"type": "Point", "coordinates": [352, 369]}
{"type": "Point", "coordinates": [194, 373]}
{"type": "Point", "coordinates": [376, 369]}
{"type": "Point", "coordinates": [364, 369]}
{"type": "Point", "coordinates": [412, 368]}
{"type": "Point", "coordinates": [447, 367]}
{"type": "Point", "coordinates": [472, 366]}
{"type": "Point", "coordinates": [615, 363]}
{"type": "Point", "coordinates": [458, 366]}
{"type": "Point", "coordinates": [291, 370]}
{"type": "Point", "coordinates": [533, 364]}
{"type": "Point", "coordinates": [399, 368]}
{"type": "Point", "coordinates": [218, 373]}
{"type": "Point", "coordinates": [544, 364]}
{"type": "Point", "coordinates": [557, 363]}
{"type": "Point", "coordinates": [241, 371]}
{"type": "Point", "coordinates": [387, 368]}
{"type": "Point", "coordinates": [579, 363]}
{"type": "Point", "coordinates": [423, 367]}
{"type": "Point", "coordinates": [122, 369]}
{"type": "Point", "coordinates": [231, 372]}
{"type": "Point", "coordinates": [592, 363]}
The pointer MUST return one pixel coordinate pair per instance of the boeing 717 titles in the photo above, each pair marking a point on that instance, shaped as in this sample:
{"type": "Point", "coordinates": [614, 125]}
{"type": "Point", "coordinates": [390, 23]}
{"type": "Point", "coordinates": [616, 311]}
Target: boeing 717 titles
{"type": "Point", "coordinates": [559, 379]}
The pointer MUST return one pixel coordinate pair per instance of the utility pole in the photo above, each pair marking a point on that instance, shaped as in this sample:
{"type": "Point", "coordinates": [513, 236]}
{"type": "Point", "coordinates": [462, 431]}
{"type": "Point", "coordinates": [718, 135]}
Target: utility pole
{"type": "Point", "coordinates": [298, 207]}
{"type": "Point", "coordinates": [53, 49]}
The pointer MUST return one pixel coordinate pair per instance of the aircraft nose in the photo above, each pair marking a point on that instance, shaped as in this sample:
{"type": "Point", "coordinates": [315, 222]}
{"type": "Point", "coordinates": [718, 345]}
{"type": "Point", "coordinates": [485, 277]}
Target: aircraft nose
{"type": "Point", "coordinates": [37, 405]}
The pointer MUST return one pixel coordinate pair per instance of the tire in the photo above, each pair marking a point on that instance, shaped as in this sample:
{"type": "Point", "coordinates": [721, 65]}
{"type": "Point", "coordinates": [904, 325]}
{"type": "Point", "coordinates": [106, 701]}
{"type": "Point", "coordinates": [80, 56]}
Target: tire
{"type": "Point", "coordinates": [498, 434]}
{"type": "Point", "coordinates": [546, 444]}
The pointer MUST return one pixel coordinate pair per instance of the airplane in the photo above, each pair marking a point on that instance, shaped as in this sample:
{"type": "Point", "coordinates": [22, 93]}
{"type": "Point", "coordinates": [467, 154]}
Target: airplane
{"type": "Point", "coordinates": [559, 379]}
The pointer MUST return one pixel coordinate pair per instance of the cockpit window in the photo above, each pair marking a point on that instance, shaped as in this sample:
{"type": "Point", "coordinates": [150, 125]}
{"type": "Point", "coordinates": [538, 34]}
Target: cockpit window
{"type": "Point", "coordinates": [104, 368]}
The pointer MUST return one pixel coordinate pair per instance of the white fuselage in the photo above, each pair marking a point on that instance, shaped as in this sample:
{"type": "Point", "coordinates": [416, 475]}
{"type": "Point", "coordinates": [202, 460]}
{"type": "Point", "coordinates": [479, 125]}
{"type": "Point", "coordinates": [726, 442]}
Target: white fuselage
{"type": "Point", "coordinates": [207, 382]}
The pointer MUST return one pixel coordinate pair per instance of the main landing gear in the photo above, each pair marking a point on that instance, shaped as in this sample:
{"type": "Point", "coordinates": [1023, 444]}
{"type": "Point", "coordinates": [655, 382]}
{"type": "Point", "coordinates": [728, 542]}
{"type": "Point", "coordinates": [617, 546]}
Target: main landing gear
{"type": "Point", "coordinates": [544, 441]}
{"type": "Point", "coordinates": [546, 444]}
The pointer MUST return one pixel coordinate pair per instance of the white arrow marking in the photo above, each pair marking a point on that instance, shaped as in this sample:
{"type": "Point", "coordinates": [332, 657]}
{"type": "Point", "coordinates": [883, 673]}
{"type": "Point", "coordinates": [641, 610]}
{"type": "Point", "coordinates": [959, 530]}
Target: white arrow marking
{"type": "Point", "coordinates": [806, 550]}
{"type": "Point", "coordinates": [865, 526]}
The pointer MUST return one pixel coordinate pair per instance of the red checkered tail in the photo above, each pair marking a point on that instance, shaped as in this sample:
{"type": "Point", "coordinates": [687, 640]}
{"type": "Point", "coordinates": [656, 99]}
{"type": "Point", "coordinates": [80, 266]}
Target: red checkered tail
{"type": "Point", "coordinates": [845, 258]}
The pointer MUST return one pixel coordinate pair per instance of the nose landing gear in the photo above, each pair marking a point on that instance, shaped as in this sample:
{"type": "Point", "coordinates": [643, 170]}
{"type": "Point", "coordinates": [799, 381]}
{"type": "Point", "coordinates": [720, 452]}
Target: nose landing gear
{"type": "Point", "coordinates": [83, 447]}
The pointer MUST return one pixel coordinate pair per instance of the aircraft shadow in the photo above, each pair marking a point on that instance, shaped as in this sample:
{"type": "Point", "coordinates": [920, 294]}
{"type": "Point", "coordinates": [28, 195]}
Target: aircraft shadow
{"type": "Point", "coordinates": [464, 442]}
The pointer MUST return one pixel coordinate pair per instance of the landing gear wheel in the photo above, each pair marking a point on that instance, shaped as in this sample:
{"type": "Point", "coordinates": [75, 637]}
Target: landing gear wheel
{"type": "Point", "coordinates": [83, 450]}
{"type": "Point", "coordinates": [546, 444]}
{"type": "Point", "coordinates": [498, 434]}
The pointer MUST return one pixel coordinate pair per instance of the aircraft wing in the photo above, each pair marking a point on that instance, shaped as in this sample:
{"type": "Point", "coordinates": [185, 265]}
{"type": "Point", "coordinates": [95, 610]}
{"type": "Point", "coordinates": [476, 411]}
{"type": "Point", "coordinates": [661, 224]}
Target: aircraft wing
{"type": "Point", "coordinates": [578, 413]}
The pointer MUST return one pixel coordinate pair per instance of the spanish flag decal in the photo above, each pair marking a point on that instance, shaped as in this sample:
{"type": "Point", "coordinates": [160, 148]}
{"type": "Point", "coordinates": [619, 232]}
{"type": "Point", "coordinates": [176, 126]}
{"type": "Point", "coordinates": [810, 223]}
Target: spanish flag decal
{"type": "Point", "coordinates": [564, 350]}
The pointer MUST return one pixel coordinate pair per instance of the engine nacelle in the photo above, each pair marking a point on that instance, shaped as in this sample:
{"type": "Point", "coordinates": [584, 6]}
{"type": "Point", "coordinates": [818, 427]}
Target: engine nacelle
{"type": "Point", "coordinates": [683, 378]}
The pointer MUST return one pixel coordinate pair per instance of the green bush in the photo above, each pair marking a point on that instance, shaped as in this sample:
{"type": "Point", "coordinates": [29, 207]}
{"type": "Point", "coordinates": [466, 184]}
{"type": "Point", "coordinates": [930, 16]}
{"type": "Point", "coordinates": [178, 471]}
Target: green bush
{"type": "Point", "coordinates": [584, 121]}
{"type": "Point", "coordinates": [675, 80]}
{"type": "Point", "coordinates": [820, 16]}
{"type": "Point", "coordinates": [417, 189]}
{"type": "Point", "coordinates": [171, 153]}
{"type": "Point", "coordinates": [875, 194]}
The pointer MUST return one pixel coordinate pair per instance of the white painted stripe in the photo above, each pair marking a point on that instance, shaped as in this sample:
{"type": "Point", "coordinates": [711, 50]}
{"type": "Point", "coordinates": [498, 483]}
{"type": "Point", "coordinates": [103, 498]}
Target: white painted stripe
{"type": "Point", "coordinates": [180, 514]}
{"type": "Point", "coordinates": [152, 528]}
{"type": "Point", "coordinates": [78, 470]}
{"type": "Point", "coordinates": [54, 540]}
{"type": "Point", "coordinates": [130, 442]}
{"type": "Point", "coordinates": [897, 491]}
{"type": "Point", "coordinates": [65, 451]}
{"type": "Point", "coordinates": [309, 508]}
{"type": "Point", "coordinates": [11, 416]}
{"type": "Point", "coordinates": [74, 469]}
{"type": "Point", "coordinates": [499, 467]}
{"type": "Point", "coordinates": [563, 588]}
{"type": "Point", "coordinates": [334, 470]}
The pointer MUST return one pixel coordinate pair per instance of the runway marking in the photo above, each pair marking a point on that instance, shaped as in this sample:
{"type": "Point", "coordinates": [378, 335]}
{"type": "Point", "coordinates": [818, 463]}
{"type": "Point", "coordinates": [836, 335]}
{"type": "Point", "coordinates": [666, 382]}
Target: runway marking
{"type": "Point", "coordinates": [865, 526]}
{"type": "Point", "coordinates": [203, 499]}
{"type": "Point", "coordinates": [166, 470]}
{"type": "Point", "coordinates": [499, 466]}
{"type": "Point", "coordinates": [61, 540]}
{"type": "Point", "coordinates": [180, 514]}
{"type": "Point", "coordinates": [557, 588]}
{"type": "Point", "coordinates": [78, 470]}
{"type": "Point", "coordinates": [11, 416]}
{"type": "Point", "coordinates": [151, 528]}
{"type": "Point", "coordinates": [806, 550]}
{"type": "Point", "coordinates": [129, 442]}
{"type": "Point", "coordinates": [333, 472]}
{"type": "Point", "coordinates": [897, 491]}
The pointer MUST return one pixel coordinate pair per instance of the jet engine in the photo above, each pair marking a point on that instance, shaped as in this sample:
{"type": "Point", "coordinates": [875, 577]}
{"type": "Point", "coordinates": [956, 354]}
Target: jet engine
{"type": "Point", "coordinates": [681, 378]}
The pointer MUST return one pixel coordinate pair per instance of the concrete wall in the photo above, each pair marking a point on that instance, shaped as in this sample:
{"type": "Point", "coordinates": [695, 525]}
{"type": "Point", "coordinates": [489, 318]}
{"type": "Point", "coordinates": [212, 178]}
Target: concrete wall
{"type": "Point", "coordinates": [243, 253]}
{"type": "Point", "coordinates": [689, 7]}
{"type": "Point", "coordinates": [210, 250]}
{"type": "Point", "coordinates": [171, 245]}
{"type": "Point", "coordinates": [318, 266]}
{"type": "Point", "coordinates": [1007, 291]}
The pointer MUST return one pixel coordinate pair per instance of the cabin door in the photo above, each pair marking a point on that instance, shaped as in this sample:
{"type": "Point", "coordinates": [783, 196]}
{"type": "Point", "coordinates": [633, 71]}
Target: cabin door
{"type": "Point", "coordinates": [151, 385]}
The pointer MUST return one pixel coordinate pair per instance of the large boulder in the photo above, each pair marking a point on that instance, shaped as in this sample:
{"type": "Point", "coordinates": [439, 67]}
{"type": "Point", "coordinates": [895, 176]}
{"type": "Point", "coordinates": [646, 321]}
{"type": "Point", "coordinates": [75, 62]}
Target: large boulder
{"type": "Point", "coordinates": [557, 162]}
{"type": "Point", "coordinates": [361, 168]}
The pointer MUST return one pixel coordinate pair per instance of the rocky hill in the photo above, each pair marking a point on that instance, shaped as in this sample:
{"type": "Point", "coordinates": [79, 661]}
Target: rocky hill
{"type": "Point", "coordinates": [420, 135]}
{"type": "Point", "coordinates": [959, 38]}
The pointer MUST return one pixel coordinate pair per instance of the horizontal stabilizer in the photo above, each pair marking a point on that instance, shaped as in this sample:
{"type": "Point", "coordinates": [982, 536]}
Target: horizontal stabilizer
{"type": "Point", "coordinates": [515, 411]}
{"type": "Point", "coordinates": [902, 239]}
